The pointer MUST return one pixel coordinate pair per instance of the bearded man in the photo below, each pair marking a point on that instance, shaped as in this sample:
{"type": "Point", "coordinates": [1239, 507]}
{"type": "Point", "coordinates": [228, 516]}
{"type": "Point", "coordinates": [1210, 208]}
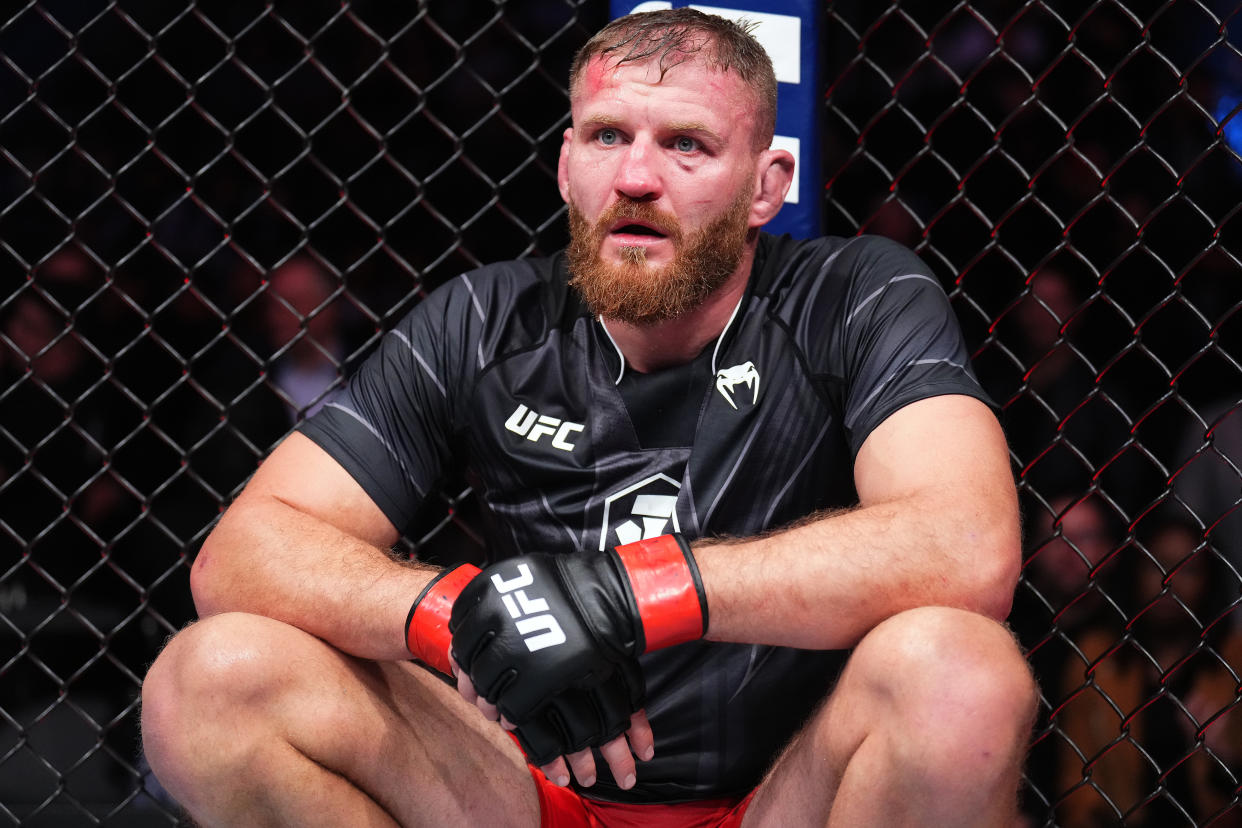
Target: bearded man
{"type": "Point", "coordinates": [757, 530]}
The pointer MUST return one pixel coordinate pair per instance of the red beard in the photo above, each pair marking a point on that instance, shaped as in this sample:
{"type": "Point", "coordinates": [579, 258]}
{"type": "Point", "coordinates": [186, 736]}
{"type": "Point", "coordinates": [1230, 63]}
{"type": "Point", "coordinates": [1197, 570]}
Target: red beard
{"type": "Point", "coordinates": [640, 293]}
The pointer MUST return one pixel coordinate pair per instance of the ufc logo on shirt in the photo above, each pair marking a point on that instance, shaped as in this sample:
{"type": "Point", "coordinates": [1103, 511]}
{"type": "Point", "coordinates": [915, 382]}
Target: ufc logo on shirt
{"type": "Point", "coordinates": [533, 425]}
{"type": "Point", "coordinates": [538, 627]}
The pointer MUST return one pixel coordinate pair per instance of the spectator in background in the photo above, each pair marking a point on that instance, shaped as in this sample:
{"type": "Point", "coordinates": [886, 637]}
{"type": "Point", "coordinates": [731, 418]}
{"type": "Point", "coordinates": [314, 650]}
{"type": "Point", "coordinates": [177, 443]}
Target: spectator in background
{"type": "Point", "coordinates": [1113, 706]}
{"type": "Point", "coordinates": [1213, 702]}
{"type": "Point", "coordinates": [291, 352]}
{"type": "Point", "coordinates": [49, 341]}
{"type": "Point", "coordinates": [43, 369]}
{"type": "Point", "coordinates": [1067, 541]}
{"type": "Point", "coordinates": [1185, 594]}
{"type": "Point", "coordinates": [1209, 483]}
{"type": "Point", "coordinates": [302, 326]}
{"type": "Point", "coordinates": [1181, 588]}
{"type": "Point", "coordinates": [1107, 624]}
{"type": "Point", "coordinates": [42, 343]}
{"type": "Point", "coordinates": [1063, 428]}
{"type": "Point", "coordinates": [58, 499]}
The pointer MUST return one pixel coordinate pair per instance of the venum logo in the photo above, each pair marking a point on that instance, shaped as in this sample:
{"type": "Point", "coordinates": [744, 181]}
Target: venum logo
{"type": "Point", "coordinates": [533, 425]}
{"type": "Point", "coordinates": [645, 510]}
{"type": "Point", "coordinates": [538, 627]}
{"type": "Point", "coordinates": [729, 378]}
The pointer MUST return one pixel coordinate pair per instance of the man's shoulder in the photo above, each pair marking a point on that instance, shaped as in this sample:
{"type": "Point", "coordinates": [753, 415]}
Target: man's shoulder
{"type": "Point", "coordinates": [509, 277]}
{"type": "Point", "coordinates": [785, 258]}
{"type": "Point", "coordinates": [537, 281]}
{"type": "Point", "coordinates": [533, 291]}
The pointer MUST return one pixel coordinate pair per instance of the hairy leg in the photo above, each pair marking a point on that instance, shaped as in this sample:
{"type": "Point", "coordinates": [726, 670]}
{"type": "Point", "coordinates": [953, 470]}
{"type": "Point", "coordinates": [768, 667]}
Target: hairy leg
{"type": "Point", "coordinates": [248, 721]}
{"type": "Point", "coordinates": [928, 725]}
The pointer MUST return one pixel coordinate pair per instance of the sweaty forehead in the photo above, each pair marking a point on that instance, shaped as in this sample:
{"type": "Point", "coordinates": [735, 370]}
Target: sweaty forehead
{"type": "Point", "coordinates": [602, 75]}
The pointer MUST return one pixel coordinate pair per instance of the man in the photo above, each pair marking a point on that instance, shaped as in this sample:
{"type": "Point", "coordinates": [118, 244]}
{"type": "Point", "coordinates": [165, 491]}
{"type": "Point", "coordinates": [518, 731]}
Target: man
{"type": "Point", "coordinates": [698, 378]}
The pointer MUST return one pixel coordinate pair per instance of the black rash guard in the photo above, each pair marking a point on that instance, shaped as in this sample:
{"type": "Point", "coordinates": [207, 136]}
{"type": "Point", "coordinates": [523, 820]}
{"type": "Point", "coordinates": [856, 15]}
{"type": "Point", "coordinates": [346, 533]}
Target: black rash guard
{"type": "Point", "coordinates": [504, 371]}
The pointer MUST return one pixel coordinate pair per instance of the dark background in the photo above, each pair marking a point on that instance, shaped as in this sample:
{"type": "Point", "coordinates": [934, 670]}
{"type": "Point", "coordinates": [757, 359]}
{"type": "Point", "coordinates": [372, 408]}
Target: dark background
{"type": "Point", "coordinates": [200, 203]}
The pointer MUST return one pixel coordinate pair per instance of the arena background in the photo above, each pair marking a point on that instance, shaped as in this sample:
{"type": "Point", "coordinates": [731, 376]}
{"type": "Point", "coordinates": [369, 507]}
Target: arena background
{"type": "Point", "coordinates": [210, 211]}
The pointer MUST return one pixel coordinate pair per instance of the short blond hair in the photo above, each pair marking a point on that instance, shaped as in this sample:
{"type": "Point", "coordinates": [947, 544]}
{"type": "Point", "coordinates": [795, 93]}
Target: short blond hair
{"type": "Point", "coordinates": [673, 36]}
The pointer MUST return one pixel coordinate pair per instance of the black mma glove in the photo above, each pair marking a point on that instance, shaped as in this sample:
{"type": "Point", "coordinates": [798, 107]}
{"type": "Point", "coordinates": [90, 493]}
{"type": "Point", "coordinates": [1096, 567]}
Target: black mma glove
{"type": "Point", "coordinates": [577, 718]}
{"type": "Point", "coordinates": [553, 640]}
{"type": "Point", "coordinates": [427, 626]}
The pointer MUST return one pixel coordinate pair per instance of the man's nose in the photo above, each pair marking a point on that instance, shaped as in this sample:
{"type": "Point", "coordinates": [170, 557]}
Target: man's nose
{"type": "Point", "coordinates": [637, 176]}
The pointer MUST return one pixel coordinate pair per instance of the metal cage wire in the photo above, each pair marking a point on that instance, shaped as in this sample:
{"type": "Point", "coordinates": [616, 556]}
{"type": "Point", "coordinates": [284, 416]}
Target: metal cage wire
{"type": "Point", "coordinates": [210, 213]}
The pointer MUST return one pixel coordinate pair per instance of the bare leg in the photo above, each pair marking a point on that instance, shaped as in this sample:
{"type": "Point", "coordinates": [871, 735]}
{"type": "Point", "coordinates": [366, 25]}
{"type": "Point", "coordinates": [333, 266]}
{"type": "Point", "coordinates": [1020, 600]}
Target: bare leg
{"type": "Point", "coordinates": [928, 726]}
{"type": "Point", "coordinates": [248, 721]}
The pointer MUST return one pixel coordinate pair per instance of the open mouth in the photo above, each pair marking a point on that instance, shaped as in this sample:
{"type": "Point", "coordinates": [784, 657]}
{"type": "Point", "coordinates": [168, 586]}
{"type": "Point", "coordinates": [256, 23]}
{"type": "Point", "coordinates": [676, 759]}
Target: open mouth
{"type": "Point", "coordinates": [633, 229]}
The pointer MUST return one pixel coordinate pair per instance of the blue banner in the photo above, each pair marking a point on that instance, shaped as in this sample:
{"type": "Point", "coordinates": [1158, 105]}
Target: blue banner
{"type": "Point", "coordinates": [789, 31]}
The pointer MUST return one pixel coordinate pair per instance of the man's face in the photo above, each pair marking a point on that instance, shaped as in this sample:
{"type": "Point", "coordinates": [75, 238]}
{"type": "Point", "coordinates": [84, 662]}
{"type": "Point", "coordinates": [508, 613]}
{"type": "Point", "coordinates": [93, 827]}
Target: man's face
{"type": "Point", "coordinates": [1064, 562]}
{"type": "Point", "coordinates": [659, 175]}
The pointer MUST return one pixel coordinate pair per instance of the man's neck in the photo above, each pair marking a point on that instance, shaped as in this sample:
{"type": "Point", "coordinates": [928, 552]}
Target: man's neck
{"type": "Point", "coordinates": [676, 341]}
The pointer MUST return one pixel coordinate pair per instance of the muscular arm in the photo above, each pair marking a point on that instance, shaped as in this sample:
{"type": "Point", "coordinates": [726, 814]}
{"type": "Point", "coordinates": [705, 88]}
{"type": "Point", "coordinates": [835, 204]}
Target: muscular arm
{"type": "Point", "coordinates": [937, 524]}
{"type": "Point", "coordinates": [304, 544]}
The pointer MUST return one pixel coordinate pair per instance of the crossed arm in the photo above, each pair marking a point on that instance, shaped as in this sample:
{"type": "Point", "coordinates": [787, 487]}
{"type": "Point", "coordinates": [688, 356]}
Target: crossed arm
{"type": "Point", "coordinates": [305, 545]}
{"type": "Point", "coordinates": [936, 525]}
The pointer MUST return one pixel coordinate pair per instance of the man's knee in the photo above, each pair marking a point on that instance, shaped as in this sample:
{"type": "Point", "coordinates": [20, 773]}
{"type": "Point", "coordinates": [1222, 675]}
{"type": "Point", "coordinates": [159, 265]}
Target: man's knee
{"type": "Point", "coordinates": [216, 669]}
{"type": "Point", "coordinates": [211, 661]}
{"type": "Point", "coordinates": [958, 684]}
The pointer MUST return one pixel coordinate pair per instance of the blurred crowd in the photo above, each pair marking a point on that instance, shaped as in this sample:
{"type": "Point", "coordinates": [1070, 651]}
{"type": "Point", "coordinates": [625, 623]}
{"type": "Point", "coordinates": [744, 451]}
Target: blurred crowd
{"type": "Point", "coordinates": [1072, 181]}
{"type": "Point", "coordinates": [207, 254]}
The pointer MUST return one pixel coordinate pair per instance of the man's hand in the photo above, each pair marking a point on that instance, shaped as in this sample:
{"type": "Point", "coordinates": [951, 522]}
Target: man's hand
{"type": "Point", "coordinates": [533, 626]}
{"type": "Point", "coordinates": [428, 639]}
{"type": "Point", "coordinates": [552, 640]}
{"type": "Point", "coordinates": [618, 753]}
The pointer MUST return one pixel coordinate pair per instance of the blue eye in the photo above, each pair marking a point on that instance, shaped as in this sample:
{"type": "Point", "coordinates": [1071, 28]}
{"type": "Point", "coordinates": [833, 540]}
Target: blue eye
{"type": "Point", "coordinates": [608, 137]}
{"type": "Point", "coordinates": [686, 144]}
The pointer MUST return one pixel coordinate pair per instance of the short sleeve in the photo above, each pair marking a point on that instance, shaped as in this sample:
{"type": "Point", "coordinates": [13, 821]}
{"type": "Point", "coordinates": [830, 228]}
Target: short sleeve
{"type": "Point", "coordinates": [900, 339]}
{"type": "Point", "coordinates": [391, 426]}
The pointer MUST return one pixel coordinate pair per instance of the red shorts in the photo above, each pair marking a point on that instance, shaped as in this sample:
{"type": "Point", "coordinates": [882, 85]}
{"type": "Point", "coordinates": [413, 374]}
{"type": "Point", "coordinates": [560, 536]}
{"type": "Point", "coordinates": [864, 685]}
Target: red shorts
{"type": "Point", "coordinates": [566, 808]}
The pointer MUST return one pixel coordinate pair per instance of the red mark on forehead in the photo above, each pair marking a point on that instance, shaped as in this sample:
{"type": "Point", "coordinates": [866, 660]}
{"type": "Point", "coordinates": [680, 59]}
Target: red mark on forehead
{"type": "Point", "coordinates": [597, 75]}
{"type": "Point", "coordinates": [603, 73]}
{"type": "Point", "coordinates": [724, 84]}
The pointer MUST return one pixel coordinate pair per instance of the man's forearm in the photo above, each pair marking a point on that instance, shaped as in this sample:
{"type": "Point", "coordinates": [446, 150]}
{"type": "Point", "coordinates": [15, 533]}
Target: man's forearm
{"type": "Point", "coordinates": [268, 558]}
{"type": "Point", "coordinates": [825, 583]}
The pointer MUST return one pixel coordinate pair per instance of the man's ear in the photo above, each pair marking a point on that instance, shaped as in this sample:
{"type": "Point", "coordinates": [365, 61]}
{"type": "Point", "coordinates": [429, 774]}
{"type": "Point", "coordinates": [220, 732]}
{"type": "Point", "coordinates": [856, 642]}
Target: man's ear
{"type": "Point", "coordinates": [774, 176]}
{"type": "Point", "coordinates": [562, 164]}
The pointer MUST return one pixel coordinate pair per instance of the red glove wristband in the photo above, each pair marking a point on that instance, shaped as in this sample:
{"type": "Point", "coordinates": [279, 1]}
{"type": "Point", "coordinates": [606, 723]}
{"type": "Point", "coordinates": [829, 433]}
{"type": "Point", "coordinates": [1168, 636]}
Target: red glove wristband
{"type": "Point", "coordinates": [427, 626]}
{"type": "Point", "coordinates": [667, 588]}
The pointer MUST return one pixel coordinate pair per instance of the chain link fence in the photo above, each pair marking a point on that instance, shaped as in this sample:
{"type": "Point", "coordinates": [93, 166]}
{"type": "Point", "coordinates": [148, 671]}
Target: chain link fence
{"type": "Point", "coordinates": [1071, 171]}
{"type": "Point", "coordinates": [210, 211]}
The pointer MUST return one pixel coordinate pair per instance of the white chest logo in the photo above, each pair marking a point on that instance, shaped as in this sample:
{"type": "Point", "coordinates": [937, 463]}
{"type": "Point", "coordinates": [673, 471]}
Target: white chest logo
{"type": "Point", "coordinates": [727, 379]}
{"type": "Point", "coordinates": [644, 510]}
{"type": "Point", "coordinates": [533, 425]}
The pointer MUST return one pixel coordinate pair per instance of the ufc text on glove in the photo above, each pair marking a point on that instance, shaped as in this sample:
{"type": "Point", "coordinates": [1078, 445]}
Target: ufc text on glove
{"type": "Point", "coordinates": [538, 626]}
